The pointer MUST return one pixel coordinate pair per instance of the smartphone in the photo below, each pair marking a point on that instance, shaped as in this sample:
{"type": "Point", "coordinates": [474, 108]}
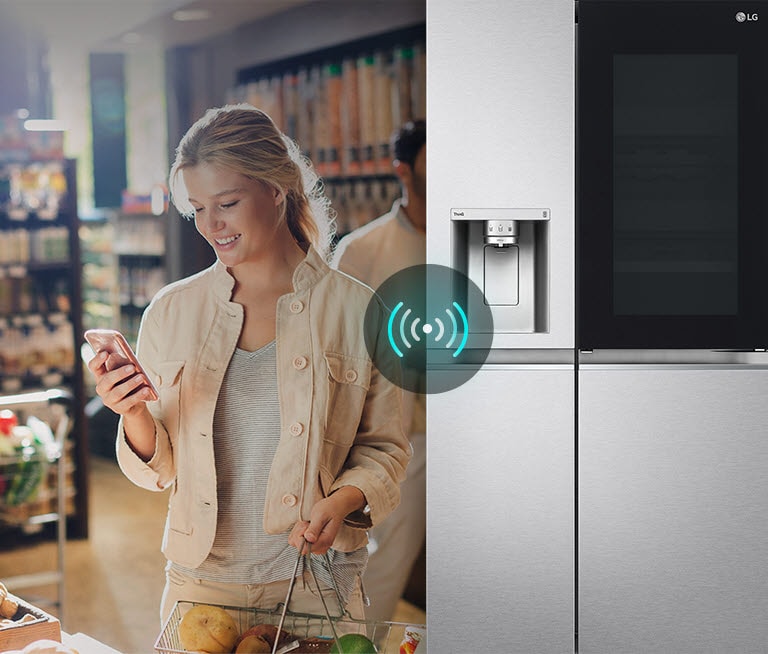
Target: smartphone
{"type": "Point", "coordinates": [115, 343]}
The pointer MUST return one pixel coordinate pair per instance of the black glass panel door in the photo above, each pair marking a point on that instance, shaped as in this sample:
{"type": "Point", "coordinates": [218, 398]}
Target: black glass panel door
{"type": "Point", "coordinates": [675, 178]}
{"type": "Point", "coordinates": [672, 174]}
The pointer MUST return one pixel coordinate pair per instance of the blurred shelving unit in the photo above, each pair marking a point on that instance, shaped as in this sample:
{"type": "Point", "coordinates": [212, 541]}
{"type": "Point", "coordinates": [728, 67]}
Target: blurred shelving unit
{"type": "Point", "coordinates": [100, 292]}
{"type": "Point", "coordinates": [342, 104]}
{"type": "Point", "coordinates": [123, 267]}
{"type": "Point", "coordinates": [40, 291]}
{"type": "Point", "coordinates": [140, 254]}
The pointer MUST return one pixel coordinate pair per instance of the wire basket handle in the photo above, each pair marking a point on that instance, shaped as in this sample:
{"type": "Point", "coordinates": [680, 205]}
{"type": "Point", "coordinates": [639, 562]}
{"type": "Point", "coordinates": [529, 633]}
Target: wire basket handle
{"type": "Point", "coordinates": [308, 563]}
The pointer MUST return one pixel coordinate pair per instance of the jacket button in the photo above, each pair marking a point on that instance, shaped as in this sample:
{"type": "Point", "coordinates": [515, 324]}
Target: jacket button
{"type": "Point", "coordinates": [297, 306]}
{"type": "Point", "coordinates": [296, 429]}
{"type": "Point", "coordinates": [289, 500]}
{"type": "Point", "coordinates": [350, 375]}
{"type": "Point", "coordinates": [300, 363]}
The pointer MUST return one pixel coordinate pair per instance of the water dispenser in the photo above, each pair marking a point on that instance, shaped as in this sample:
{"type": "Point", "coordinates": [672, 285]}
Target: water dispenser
{"type": "Point", "coordinates": [505, 253]}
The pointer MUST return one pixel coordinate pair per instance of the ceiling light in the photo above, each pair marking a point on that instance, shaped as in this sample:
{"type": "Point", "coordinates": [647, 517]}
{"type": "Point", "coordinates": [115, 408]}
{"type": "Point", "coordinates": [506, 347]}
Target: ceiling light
{"type": "Point", "coordinates": [44, 126]}
{"type": "Point", "coordinates": [191, 14]}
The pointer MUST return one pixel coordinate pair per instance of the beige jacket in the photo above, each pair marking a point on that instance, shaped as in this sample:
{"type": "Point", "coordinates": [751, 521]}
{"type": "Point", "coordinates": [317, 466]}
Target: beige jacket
{"type": "Point", "coordinates": [339, 414]}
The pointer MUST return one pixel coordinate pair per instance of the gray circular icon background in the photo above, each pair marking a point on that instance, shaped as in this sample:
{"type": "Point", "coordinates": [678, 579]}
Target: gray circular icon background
{"type": "Point", "coordinates": [428, 328]}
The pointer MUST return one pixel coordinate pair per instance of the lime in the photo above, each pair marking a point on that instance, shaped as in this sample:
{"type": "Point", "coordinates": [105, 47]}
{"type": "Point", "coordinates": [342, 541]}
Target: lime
{"type": "Point", "coordinates": [353, 644]}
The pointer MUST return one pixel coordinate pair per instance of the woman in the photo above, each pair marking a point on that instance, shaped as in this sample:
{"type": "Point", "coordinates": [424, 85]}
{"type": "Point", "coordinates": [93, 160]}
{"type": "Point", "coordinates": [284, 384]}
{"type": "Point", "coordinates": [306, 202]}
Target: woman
{"type": "Point", "coordinates": [273, 425]}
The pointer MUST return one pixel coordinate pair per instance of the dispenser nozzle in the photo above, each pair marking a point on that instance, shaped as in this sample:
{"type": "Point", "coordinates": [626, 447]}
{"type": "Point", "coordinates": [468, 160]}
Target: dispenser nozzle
{"type": "Point", "coordinates": [501, 233]}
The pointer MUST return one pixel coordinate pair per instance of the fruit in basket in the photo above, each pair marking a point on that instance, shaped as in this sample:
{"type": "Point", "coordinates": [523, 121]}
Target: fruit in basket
{"type": "Point", "coordinates": [266, 632]}
{"type": "Point", "coordinates": [253, 645]}
{"type": "Point", "coordinates": [208, 629]}
{"type": "Point", "coordinates": [353, 644]}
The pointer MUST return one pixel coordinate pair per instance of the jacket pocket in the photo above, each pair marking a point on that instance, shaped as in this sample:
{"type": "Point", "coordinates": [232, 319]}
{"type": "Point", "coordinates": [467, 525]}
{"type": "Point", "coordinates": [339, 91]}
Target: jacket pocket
{"type": "Point", "coordinates": [169, 373]}
{"type": "Point", "coordinates": [348, 381]}
{"type": "Point", "coordinates": [168, 382]}
{"type": "Point", "coordinates": [179, 505]}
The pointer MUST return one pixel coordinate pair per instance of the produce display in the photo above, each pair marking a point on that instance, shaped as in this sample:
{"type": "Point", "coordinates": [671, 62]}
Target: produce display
{"type": "Point", "coordinates": [24, 454]}
{"type": "Point", "coordinates": [8, 605]}
{"type": "Point", "coordinates": [212, 630]}
{"type": "Point", "coordinates": [25, 629]}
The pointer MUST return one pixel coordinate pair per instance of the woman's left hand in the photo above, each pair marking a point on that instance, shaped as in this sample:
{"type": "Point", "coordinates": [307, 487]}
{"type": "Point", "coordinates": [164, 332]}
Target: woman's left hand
{"type": "Point", "coordinates": [325, 519]}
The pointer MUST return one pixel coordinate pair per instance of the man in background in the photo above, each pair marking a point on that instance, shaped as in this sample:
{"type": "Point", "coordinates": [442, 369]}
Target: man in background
{"type": "Point", "coordinates": [372, 254]}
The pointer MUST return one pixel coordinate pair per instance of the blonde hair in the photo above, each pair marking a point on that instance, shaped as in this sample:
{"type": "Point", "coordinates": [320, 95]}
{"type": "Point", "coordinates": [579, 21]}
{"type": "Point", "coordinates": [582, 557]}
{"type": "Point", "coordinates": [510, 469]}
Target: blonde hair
{"type": "Point", "coordinates": [244, 139]}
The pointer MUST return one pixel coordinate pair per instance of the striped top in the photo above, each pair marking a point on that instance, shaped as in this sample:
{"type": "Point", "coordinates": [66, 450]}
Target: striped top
{"type": "Point", "coordinates": [246, 427]}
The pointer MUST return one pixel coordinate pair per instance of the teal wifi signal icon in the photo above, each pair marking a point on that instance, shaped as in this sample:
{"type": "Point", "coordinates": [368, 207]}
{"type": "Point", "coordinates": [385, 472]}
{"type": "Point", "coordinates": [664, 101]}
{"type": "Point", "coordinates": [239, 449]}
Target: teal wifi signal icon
{"type": "Point", "coordinates": [421, 333]}
{"type": "Point", "coordinates": [427, 329]}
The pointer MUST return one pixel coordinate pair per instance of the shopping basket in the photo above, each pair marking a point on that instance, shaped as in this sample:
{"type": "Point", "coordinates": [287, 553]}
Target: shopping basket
{"type": "Point", "coordinates": [390, 637]}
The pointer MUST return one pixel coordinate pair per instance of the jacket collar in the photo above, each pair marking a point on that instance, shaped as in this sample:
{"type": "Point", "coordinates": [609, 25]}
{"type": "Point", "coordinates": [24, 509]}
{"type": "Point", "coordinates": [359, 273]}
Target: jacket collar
{"type": "Point", "coordinates": [309, 271]}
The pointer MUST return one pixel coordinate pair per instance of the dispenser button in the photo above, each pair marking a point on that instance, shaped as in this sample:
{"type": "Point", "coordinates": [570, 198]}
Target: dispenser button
{"type": "Point", "coordinates": [501, 233]}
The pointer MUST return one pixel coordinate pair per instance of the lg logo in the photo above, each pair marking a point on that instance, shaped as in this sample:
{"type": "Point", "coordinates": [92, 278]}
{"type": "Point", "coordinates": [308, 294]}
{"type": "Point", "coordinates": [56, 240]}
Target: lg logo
{"type": "Point", "coordinates": [741, 17]}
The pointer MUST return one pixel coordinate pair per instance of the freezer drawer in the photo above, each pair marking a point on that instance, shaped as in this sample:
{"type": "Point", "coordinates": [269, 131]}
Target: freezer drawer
{"type": "Point", "coordinates": [500, 523]}
{"type": "Point", "coordinates": [672, 496]}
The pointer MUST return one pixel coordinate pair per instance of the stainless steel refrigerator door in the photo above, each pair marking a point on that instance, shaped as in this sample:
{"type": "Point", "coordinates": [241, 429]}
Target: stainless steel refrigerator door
{"type": "Point", "coordinates": [501, 131]}
{"type": "Point", "coordinates": [673, 495]}
{"type": "Point", "coordinates": [500, 523]}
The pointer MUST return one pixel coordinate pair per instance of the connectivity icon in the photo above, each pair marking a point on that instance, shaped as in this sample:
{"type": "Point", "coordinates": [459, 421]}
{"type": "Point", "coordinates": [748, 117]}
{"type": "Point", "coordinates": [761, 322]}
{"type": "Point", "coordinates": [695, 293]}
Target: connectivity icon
{"type": "Point", "coordinates": [428, 328]}
{"type": "Point", "coordinates": [406, 330]}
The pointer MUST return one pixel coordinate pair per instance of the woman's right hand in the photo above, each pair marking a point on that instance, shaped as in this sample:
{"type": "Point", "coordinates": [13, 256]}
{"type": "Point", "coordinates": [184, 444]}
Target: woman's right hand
{"type": "Point", "coordinates": [118, 388]}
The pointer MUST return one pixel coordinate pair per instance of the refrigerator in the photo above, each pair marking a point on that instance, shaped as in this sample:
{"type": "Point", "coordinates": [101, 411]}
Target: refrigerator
{"type": "Point", "coordinates": [596, 481]}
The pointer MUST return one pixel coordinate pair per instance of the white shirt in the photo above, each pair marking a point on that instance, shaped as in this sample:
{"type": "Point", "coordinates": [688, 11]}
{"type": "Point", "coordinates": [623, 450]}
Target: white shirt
{"type": "Point", "coordinates": [381, 248]}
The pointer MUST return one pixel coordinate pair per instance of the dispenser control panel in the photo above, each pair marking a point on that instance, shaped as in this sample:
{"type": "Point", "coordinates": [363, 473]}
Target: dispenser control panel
{"type": "Point", "coordinates": [505, 253]}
